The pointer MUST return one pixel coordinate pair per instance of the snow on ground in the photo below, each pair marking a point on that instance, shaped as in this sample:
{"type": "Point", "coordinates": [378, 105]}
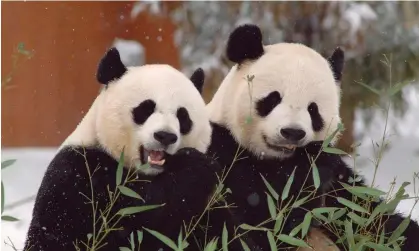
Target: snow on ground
{"type": "Point", "coordinates": [22, 180]}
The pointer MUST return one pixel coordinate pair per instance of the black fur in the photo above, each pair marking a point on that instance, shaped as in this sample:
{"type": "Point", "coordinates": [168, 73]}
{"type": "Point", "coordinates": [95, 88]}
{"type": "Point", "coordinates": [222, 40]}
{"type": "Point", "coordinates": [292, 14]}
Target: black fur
{"type": "Point", "coordinates": [245, 43]}
{"type": "Point", "coordinates": [185, 121]}
{"type": "Point", "coordinates": [265, 105]}
{"type": "Point", "coordinates": [61, 213]}
{"type": "Point", "coordinates": [110, 67]}
{"type": "Point", "coordinates": [336, 62]}
{"type": "Point", "coordinates": [198, 78]}
{"type": "Point", "coordinates": [246, 184]}
{"type": "Point", "coordinates": [143, 111]}
{"type": "Point", "coordinates": [317, 121]}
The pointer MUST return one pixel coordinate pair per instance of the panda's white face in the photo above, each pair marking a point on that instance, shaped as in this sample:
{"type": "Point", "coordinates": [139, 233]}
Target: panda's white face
{"type": "Point", "coordinates": [151, 111]}
{"type": "Point", "coordinates": [292, 100]}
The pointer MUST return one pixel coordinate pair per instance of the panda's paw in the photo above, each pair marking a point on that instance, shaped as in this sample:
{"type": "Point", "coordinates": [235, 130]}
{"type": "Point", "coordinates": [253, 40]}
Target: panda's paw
{"type": "Point", "coordinates": [190, 158]}
{"type": "Point", "coordinates": [192, 152]}
{"type": "Point", "coordinates": [292, 223]}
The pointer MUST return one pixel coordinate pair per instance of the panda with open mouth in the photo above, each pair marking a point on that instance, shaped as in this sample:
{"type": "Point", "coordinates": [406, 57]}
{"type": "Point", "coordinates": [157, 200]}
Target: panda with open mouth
{"type": "Point", "coordinates": [155, 118]}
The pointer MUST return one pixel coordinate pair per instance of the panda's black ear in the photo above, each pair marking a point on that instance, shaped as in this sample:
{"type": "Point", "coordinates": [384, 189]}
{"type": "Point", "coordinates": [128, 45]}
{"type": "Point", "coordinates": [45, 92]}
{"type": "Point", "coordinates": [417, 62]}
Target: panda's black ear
{"type": "Point", "coordinates": [198, 78]}
{"type": "Point", "coordinates": [110, 67]}
{"type": "Point", "coordinates": [245, 43]}
{"type": "Point", "coordinates": [336, 62]}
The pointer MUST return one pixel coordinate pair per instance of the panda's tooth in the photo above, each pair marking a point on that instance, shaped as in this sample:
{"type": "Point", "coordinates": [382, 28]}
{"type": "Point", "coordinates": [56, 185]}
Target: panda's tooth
{"type": "Point", "coordinates": [148, 159]}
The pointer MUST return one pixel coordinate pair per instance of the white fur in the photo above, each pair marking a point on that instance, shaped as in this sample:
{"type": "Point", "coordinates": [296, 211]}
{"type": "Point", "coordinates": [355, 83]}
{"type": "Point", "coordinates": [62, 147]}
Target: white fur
{"type": "Point", "coordinates": [299, 74]}
{"type": "Point", "coordinates": [109, 121]}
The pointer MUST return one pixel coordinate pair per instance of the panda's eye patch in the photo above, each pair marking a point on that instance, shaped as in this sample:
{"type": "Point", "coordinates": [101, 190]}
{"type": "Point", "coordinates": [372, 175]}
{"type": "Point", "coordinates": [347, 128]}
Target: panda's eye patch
{"type": "Point", "coordinates": [316, 119]}
{"type": "Point", "coordinates": [265, 105]}
{"type": "Point", "coordinates": [185, 121]}
{"type": "Point", "coordinates": [143, 111]}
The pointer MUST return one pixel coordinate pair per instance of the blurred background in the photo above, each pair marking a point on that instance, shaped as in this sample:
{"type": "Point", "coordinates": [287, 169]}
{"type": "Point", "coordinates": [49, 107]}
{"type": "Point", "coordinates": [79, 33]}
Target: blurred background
{"type": "Point", "coordinates": [50, 51]}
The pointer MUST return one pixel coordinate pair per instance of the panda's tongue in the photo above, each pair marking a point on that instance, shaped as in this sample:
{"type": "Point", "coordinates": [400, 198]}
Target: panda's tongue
{"type": "Point", "coordinates": [156, 157]}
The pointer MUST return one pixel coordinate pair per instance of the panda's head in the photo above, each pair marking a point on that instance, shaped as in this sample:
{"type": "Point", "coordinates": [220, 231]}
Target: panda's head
{"type": "Point", "coordinates": [149, 111]}
{"type": "Point", "coordinates": [277, 97]}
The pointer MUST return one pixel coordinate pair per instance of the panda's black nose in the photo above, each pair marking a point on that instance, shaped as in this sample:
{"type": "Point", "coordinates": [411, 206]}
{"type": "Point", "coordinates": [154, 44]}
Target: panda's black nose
{"type": "Point", "coordinates": [165, 138]}
{"type": "Point", "coordinates": [293, 134]}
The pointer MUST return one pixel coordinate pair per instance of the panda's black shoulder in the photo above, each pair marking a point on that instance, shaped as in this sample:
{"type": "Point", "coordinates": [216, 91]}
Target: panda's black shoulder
{"type": "Point", "coordinates": [62, 201]}
{"type": "Point", "coordinates": [74, 154]}
{"type": "Point", "coordinates": [78, 160]}
{"type": "Point", "coordinates": [222, 141]}
{"type": "Point", "coordinates": [73, 168]}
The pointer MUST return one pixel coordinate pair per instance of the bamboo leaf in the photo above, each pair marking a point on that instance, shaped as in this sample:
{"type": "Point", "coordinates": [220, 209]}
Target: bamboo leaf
{"type": "Point", "coordinates": [299, 202]}
{"type": "Point", "coordinates": [8, 218]}
{"type": "Point", "coordinates": [212, 245]}
{"type": "Point", "coordinates": [328, 210]}
{"type": "Point", "coordinates": [348, 187]}
{"type": "Point", "coordinates": [378, 247]}
{"type": "Point", "coordinates": [120, 168]}
{"type": "Point", "coordinates": [372, 89]}
{"type": "Point", "coordinates": [357, 219]}
{"type": "Point", "coordinates": [270, 188]}
{"type": "Point", "coordinates": [396, 88]}
{"type": "Point", "coordinates": [334, 151]}
{"type": "Point", "coordinates": [382, 235]}
{"type": "Point", "coordinates": [278, 222]}
{"type": "Point", "coordinates": [225, 238]}
{"type": "Point", "coordinates": [316, 176]}
{"type": "Point", "coordinates": [2, 197]}
{"type": "Point", "coordinates": [400, 229]}
{"type": "Point", "coordinates": [329, 139]}
{"type": "Point", "coordinates": [162, 238]}
{"type": "Point", "coordinates": [139, 209]}
{"type": "Point", "coordinates": [7, 163]}
{"type": "Point", "coordinates": [349, 234]}
{"type": "Point", "coordinates": [272, 242]}
{"type": "Point", "coordinates": [139, 237]}
{"type": "Point", "coordinates": [379, 209]}
{"type": "Point", "coordinates": [351, 205]}
{"type": "Point", "coordinates": [306, 224]}
{"type": "Point", "coordinates": [129, 192]}
{"type": "Point", "coordinates": [124, 249]}
{"type": "Point", "coordinates": [318, 215]}
{"type": "Point", "coordinates": [296, 230]}
{"type": "Point", "coordinates": [179, 239]}
{"type": "Point", "coordinates": [271, 206]}
{"type": "Point", "coordinates": [401, 189]}
{"type": "Point", "coordinates": [292, 241]}
{"type": "Point", "coordinates": [288, 186]}
{"type": "Point", "coordinates": [249, 227]}
{"type": "Point", "coordinates": [131, 240]}
{"type": "Point", "coordinates": [365, 190]}
{"type": "Point", "coordinates": [336, 215]}
{"type": "Point", "coordinates": [244, 245]}
{"type": "Point", "coordinates": [360, 244]}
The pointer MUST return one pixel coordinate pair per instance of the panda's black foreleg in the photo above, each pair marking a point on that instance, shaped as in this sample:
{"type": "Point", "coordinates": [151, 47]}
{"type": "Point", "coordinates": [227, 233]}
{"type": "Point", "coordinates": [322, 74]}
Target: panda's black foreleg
{"type": "Point", "coordinates": [184, 189]}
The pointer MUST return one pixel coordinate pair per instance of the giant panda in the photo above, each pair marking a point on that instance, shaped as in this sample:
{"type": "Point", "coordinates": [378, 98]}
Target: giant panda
{"type": "Point", "coordinates": [275, 107]}
{"type": "Point", "coordinates": [150, 114]}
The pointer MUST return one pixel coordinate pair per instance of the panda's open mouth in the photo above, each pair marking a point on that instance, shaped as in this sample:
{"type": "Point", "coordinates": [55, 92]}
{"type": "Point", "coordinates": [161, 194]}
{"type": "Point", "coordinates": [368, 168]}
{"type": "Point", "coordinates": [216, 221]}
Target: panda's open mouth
{"type": "Point", "coordinates": [288, 149]}
{"type": "Point", "coordinates": [155, 158]}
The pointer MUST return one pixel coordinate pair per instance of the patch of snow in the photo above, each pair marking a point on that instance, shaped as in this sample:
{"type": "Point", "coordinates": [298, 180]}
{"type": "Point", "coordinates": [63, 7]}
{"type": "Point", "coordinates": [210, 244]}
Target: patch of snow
{"type": "Point", "coordinates": [21, 182]}
{"type": "Point", "coordinates": [132, 52]}
{"type": "Point", "coordinates": [152, 5]}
